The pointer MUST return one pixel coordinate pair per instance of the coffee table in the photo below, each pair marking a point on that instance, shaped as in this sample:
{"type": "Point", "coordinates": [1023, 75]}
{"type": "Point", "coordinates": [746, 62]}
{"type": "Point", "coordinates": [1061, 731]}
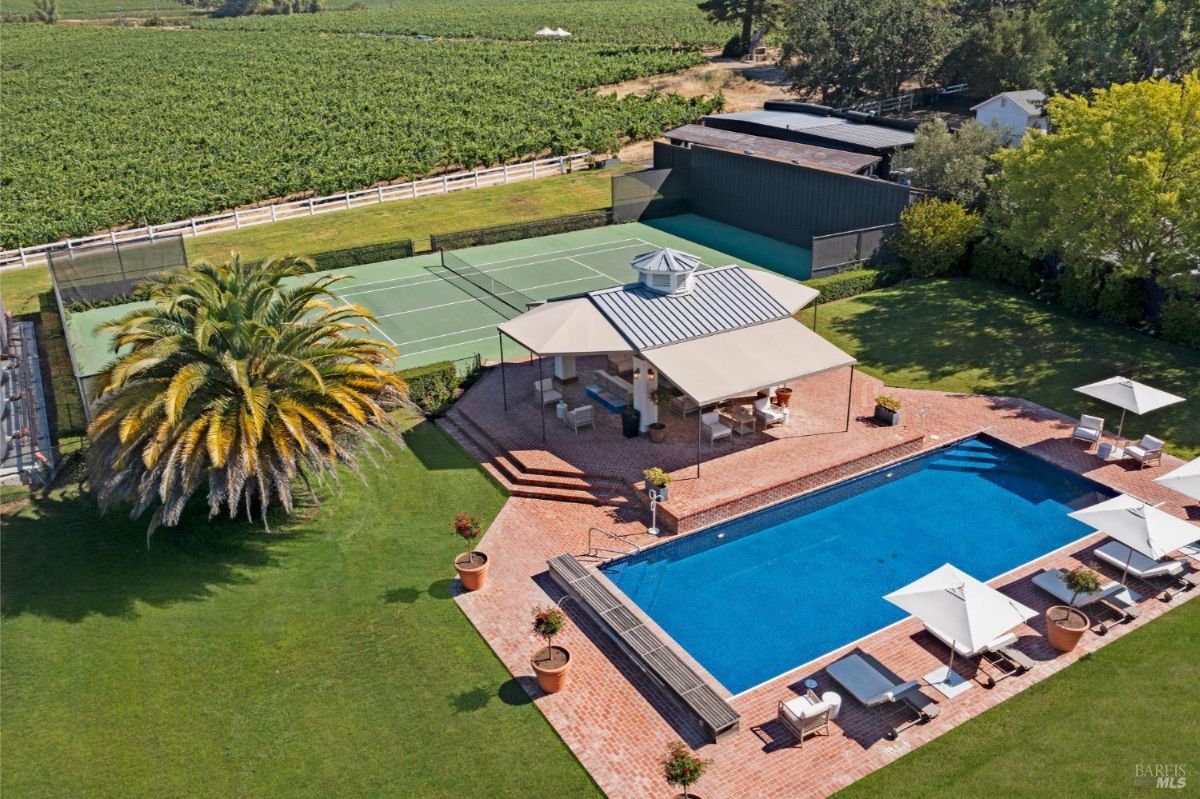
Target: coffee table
{"type": "Point", "coordinates": [739, 421]}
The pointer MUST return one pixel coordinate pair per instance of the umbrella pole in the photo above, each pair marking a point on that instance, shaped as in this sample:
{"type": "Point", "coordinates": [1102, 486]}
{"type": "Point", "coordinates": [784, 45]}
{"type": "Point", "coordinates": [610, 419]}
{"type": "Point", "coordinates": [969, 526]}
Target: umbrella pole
{"type": "Point", "coordinates": [1128, 558]}
{"type": "Point", "coordinates": [1121, 424]}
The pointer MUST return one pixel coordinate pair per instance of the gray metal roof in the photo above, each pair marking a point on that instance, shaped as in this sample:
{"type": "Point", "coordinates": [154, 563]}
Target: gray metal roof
{"type": "Point", "coordinates": [777, 149]}
{"type": "Point", "coordinates": [664, 259]}
{"type": "Point", "coordinates": [722, 299]}
{"type": "Point", "coordinates": [1031, 101]}
{"type": "Point", "coordinates": [831, 128]}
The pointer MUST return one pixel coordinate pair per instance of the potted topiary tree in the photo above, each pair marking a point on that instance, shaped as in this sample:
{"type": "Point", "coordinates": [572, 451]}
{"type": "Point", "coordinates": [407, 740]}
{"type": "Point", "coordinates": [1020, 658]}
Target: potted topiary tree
{"type": "Point", "coordinates": [472, 566]}
{"type": "Point", "coordinates": [887, 409]}
{"type": "Point", "coordinates": [661, 397]}
{"type": "Point", "coordinates": [550, 664]}
{"type": "Point", "coordinates": [659, 481]}
{"type": "Point", "coordinates": [681, 769]}
{"type": "Point", "coordinates": [1065, 625]}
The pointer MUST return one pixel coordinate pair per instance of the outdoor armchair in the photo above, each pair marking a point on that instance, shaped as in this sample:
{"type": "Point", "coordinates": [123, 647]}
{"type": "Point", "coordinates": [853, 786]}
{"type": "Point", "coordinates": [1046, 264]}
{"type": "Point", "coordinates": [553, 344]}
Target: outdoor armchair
{"type": "Point", "coordinates": [1147, 452]}
{"type": "Point", "coordinates": [805, 715]}
{"type": "Point", "coordinates": [712, 428]}
{"type": "Point", "coordinates": [544, 391]}
{"type": "Point", "coordinates": [579, 417]}
{"type": "Point", "coordinates": [1089, 429]}
{"type": "Point", "coordinates": [766, 413]}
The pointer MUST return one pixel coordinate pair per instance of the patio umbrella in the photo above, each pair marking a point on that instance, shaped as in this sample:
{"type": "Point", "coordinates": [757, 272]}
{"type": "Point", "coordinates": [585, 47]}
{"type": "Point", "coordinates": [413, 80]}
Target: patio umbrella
{"type": "Point", "coordinates": [560, 33]}
{"type": "Point", "coordinates": [544, 32]}
{"type": "Point", "coordinates": [1185, 479]}
{"type": "Point", "coordinates": [961, 608]}
{"type": "Point", "coordinates": [1139, 526]}
{"type": "Point", "coordinates": [1129, 395]}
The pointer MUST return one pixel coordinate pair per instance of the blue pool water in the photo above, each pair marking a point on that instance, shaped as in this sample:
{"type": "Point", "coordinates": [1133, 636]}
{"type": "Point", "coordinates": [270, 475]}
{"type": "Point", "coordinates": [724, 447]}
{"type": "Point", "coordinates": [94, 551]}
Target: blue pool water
{"type": "Point", "coordinates": [758, 596]}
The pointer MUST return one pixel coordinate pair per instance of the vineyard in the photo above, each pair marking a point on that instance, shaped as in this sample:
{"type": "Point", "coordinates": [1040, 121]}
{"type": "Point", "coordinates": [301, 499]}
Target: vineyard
{"type": "Point", "coordinates": [109, 125]}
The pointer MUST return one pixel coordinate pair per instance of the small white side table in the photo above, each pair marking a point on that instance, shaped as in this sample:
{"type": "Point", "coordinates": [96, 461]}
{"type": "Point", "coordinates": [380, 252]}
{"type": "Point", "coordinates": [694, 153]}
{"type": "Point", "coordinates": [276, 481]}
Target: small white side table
{"type": "Point", "coordinates": [834, 700]}
{"type": "Point", "coordinates": [560, 410]}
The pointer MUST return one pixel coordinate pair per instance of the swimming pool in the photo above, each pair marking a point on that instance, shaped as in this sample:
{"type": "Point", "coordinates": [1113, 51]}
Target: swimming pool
{"type": "Point", "coordinates": [760, 595]}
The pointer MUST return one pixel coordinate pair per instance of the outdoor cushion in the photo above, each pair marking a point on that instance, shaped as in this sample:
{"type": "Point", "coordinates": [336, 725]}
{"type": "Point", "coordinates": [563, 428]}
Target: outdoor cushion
{"type": "Point", "coordinates": [803, 708]}
{"type": "Point", "coordinates": [1049, 582]}
{"type": "Point", "coordinates": [1116, 553]}
{"type": "Point", "coordinates": [1087, 432]}
{"type": "Point", "coordinates": [1148, 445]}
{"type": "Point", "coordinates": [864, 682]}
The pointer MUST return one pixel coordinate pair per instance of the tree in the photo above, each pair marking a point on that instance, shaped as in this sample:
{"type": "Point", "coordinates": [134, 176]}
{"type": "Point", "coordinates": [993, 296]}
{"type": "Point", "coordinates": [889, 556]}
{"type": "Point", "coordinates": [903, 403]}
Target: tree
{"type": "Point", "coordinates": [842, 49]}
{"type": "Point", "coordinates": [760, 14]}
{"type": "Point", "coordinates": [1115, 41]}
{"type": "Point", "coordinates": [46, 11]}
{"type": "Point", "coordinates": [681, 768]}
{"type": "Point", "coordinates": [1005, 49]}
{"type": "Point", "coordinates": [1117, 181]}
{"type": "Point", "coordinates": [235, 381]}
{"type": "Point", "coordinates": [935, 236]}
{"type": "Point", "coordinates": [953, 163]}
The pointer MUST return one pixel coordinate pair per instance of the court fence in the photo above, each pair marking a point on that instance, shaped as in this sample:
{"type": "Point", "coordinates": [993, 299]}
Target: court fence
{"type": "Point", "coordinates": [87, 276]}
{"type": "Point", "coordinates": [477, 237]}
{"type": "Point", "coordinates": [837, 251]}
{"type": "Point", "coordinates": [650, 194]}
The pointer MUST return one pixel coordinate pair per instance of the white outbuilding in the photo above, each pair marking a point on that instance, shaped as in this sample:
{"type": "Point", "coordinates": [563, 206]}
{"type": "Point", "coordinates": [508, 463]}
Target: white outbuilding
{"type": "Point", "coordinates": [1013, 113]}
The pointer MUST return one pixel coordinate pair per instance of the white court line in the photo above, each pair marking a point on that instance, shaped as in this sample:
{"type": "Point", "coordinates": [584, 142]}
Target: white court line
{"type": "Point", "coordinates": [594, 269]}
{"type": "Point", "coordinates": [426, 308]}
{"type": "Point", "coordinates": [552, 252]}
{"type": "Point", "coordinates": [477, 299]}
{"type": "Point", "coordinates": [443, 335]}
{"type": "Point", "coordinates": [447, 346]}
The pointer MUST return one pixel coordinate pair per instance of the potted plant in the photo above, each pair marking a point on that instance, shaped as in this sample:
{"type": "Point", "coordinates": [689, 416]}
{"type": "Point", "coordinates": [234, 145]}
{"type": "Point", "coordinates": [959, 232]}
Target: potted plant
{"type": "Point", "coordinates": [472, 566]}
{"type": "Point", "coordinates": [681, 769]}
{"type": "Point", "coordinates": [658, 481]}
{"type": "Point", "coordinates": [550, 664]}
{"type": "Point", "coordinates": [887, 409]}
{"type": "Point", "coordinates": [661, 397]}
{"type": "Point", "coordinates": [783, 396]}
{"type": "Point", "coordinates": [1065, 625]}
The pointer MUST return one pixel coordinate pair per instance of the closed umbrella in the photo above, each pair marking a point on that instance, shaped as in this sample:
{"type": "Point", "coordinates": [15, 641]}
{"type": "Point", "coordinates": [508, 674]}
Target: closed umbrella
{"type": "Point", "coordinates": [1185, 479]}
{"type": "Point", "coordinates": [1129, 395]}
{"type": "Point", "coordinates": [1139, 526]}
{"type": "Point", "coordinates": [970, 613]}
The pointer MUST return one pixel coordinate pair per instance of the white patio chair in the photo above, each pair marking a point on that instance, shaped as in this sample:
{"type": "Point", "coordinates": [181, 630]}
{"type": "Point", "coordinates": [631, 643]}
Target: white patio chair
{"type": "Point", "coordinates": [1089, 429]}
{"type": "Point", "coordinates": [544, 391]}
{"type": "Point", "coordinates": [579, 417]}
{"type": "Point", "coordinates": [1147, 452]}
{"type": "Point", "coordinates": [712, 428]}
{"type": "Point", "coordinates": [805, 715]}
{"type": "Point", "coordinates": [767, 413]}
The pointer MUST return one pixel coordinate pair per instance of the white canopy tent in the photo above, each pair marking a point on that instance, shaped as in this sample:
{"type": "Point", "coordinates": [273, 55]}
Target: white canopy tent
{"type": "Point", "coordinates": [1129, 395]}
{"type": "Point", "coordinates": [1138, 526]}
{"type": "Point", "coordinates": [968, 612]}
{"type": "Point", "coordinates": [565, 327]}
{"type": "Point", "coordinates": [1185, 479]}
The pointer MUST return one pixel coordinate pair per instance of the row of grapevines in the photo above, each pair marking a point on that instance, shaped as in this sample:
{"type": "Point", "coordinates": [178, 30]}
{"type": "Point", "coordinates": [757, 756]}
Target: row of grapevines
{"type": "Point", "coordinates": [106, 126]}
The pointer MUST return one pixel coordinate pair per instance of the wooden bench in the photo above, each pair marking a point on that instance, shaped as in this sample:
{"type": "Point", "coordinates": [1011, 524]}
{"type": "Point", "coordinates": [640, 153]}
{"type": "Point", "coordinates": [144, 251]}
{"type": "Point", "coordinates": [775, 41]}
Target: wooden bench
{"type": "Point", "coordinates": [645, 646]}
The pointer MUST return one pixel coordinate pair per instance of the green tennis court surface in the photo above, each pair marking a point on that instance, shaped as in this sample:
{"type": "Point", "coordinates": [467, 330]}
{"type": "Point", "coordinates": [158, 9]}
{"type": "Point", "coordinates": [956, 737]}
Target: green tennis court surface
{"type": "Point", "coordinates": [431, 314]}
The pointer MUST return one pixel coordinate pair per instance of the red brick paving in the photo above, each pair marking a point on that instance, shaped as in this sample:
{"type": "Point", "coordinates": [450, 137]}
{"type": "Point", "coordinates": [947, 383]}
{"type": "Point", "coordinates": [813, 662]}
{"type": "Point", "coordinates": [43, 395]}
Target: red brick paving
{"type": "Point", "coordinates": [613, 718]}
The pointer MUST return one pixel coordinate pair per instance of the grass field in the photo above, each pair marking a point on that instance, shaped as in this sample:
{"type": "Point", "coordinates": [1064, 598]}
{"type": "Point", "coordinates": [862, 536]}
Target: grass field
{"type": "Point", "coordinates": [1080, 733]}
{"type": "Point", "coordinates": [323, 660]}
{"type": "Point", "coordinates": [967, 336]}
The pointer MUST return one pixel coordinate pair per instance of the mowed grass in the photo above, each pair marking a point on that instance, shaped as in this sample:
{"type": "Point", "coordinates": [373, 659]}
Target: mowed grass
{"type": "Point", "coordinates": [325, 659]}
{"type": "Point", "coordinates": [967, 336]}
{"type": "Point", "coordinates": [415, 219]}
{"type": "Point", "coordinates": [1082, 732]}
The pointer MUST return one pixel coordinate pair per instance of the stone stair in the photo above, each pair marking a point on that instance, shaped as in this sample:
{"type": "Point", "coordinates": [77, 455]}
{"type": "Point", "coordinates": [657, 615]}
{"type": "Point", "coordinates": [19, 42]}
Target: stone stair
{"type": "Point", "coordinates": [520, 480]}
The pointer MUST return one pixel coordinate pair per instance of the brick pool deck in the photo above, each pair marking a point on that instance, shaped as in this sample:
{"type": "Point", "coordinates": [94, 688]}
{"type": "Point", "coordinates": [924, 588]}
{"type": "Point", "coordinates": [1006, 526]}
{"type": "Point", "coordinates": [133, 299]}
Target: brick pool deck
{"type": "Point", "coordinates": [617, 721]}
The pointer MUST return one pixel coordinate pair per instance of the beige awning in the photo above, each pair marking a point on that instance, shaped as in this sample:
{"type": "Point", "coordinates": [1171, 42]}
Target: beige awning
{"type": "Point", "coordinates": [790, 294]}
{"type": "Point", "coordinates": [565, 327]}
{"type": "Point", "coordinates": [734, 364]}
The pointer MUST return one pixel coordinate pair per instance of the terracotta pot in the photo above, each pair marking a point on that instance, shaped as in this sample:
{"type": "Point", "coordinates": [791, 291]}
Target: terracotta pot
{"type": "Point", "coordinates": [783, 396]}
{"type": "Point", "coordinates": [472, 575]}
{"type": "Point", "coordinates": [1065, 626]}
{"type": "Point", "coordinates": [551, 678]}
{"type": "Point", "coordinates": [658, 432]}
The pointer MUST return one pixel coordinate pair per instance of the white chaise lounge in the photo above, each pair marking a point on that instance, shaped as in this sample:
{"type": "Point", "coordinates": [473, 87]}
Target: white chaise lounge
{"type": "Point", "coordinates": [1111, 597]}
{"type": "Point", "coordinates": [1001, 653]}
{"type": "Point", "coordinates": [1169, 575]}
{"type": "Point", "coordinates": [872, 685]}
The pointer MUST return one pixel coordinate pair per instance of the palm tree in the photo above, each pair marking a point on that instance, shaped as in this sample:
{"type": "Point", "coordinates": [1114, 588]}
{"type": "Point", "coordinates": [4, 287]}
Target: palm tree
{"type": "Point", "coordinates": [238, 380]}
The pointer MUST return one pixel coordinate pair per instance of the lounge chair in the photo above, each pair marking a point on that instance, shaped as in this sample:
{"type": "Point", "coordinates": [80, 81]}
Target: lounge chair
{"type": "Point", "coordinates": [579, 417]}
{"type": "Point", "coordinates": [767, 413]}
{"type": "Point", "coordinates": [1089, 429]}
{"type": "Point", "coordinates": [544, 391]}
{"type": "Point", "coordinates": [1111, 598]}
{"type": "Point", "coordinates": [872, 685]}
{"type": "Point", "coordinates": [712, 428]}
{"type": "Point", "coordinates": [1001, 654]}
{"type": "Point", "coordinates": [1170, 576]}
{"type": "Point", "coordinates": [805, 715]}
{"type": "Point", "coordinates": [684, 406]}
{"type": "Point", "coordinates": [1147, 452]}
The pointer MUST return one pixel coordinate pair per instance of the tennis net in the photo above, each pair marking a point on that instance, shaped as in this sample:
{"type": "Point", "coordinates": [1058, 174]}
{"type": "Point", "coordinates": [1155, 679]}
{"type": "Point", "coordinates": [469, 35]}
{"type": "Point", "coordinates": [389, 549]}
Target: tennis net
{"type": "Point", "coordinates": [513, 299]}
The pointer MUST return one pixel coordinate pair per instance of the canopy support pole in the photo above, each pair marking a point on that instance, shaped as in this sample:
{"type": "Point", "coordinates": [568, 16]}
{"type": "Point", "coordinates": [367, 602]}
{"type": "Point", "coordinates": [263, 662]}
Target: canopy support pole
{"type": "Point", "coordinates": [542, 389]}
{"type": "Point", "coordinates": [699, 428]}
{"type": "Point", "coordinates": [849, 396]}
{"type": "Point", "coordinates": [1128, 558]}
{"type": "Point", "coordinates": [503, 374]}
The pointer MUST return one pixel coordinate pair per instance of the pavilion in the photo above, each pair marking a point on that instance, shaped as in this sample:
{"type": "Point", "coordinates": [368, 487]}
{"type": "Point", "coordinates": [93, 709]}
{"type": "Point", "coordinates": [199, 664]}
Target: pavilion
{"type": "Point", "coordinates": [713, 334]}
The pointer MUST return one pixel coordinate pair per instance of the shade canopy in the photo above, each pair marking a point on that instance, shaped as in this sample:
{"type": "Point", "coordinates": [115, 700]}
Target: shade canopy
{"type": "Point", "coordinates": [1129, 395]}
{"type": "Point", "coordinates": [738, 362]}
{"type": "Point", "coordinates": [1185, 479]}
{"type": "Point", "coordinates": [1139, 526]}
{"type": "Point", "coordinates": [565, 327]}
{"type": "Point", "coordinates": [789, 293]}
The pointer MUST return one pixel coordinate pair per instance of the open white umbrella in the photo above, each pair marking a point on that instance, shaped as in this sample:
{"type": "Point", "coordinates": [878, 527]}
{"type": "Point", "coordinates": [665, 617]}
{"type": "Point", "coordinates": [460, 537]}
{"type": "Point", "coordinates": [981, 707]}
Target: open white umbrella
{"type": "Point", "coordinates": [1185, 479]}
{"type": "Point", "coordinates": [1129, 395]}
{"type": "Point", "coordinates": [560, 33]}
{"type": "Point", "coordinates": [1139, 526]}
{"type": "Point", "coordinates": [544, 32]}
{"type": "Point", "coordinates": [962, 609]}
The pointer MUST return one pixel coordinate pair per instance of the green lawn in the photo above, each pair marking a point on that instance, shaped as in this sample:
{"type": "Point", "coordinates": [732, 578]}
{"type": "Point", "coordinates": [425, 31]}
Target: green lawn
{"type": "Point", "coordinates": [1079, 733]}
{"type": "Point", "coordinates": [968, 336]}
{"type": "Point", "coordinates": [324, 660]}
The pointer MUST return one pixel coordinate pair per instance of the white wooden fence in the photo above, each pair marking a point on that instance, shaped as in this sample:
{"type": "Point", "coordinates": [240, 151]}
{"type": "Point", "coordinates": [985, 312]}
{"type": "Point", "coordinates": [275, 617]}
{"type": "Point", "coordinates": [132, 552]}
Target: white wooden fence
{"type": "Point", "coordinates": [240, 218]}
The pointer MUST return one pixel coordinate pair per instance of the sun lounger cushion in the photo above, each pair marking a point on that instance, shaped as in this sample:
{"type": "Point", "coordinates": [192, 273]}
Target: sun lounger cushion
{"type": "Point", "coordinates": [1050, 581]}
{"type": "Point", "coordinates": [864, 682]}
{"type": "Point", "coordinates": [1140, 566]}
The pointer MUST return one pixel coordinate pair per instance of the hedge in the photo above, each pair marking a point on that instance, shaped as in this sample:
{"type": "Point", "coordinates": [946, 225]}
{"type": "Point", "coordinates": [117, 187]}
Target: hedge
{"type": "Point", "coordinates": [858, 281]}
{"type": "Point", "coordinates": [356, 256]}
{"type": "Point", "coordinates": [432, 386]}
